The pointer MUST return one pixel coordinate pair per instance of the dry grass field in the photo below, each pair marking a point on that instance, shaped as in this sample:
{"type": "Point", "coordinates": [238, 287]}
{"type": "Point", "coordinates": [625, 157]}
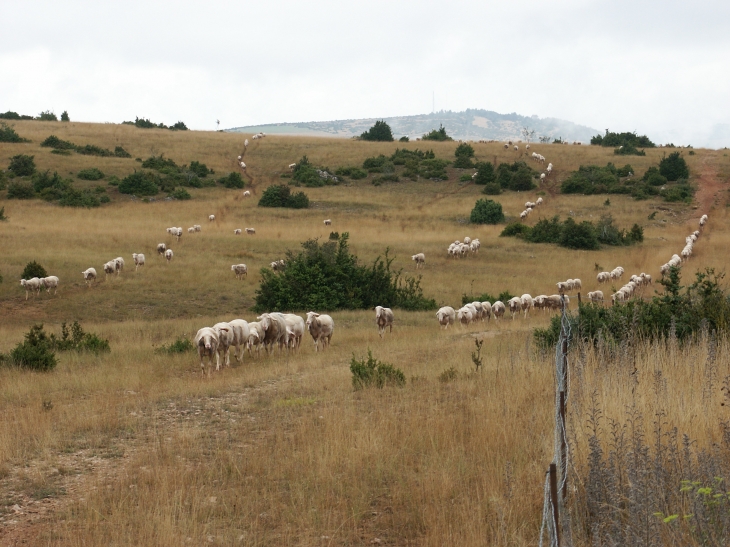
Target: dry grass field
{"type": "Point", "coordinates": [134, 448]}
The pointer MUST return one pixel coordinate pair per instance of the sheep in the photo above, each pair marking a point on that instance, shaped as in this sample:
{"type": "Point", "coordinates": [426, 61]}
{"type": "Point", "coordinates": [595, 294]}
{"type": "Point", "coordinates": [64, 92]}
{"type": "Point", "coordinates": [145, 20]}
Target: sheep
{"type": "Point", "coordinates": [384, 319]}
{"type": "Point", "coordinates": [577, 285]}
{"type": "Point", "coordinates": [50, 282]}
{"type": "Point", "coordinates": [246, 194]}
{"type": "Point", "coordinates": [542, 177]}
{"type": "Point", "coordinates": [595, 296]}
{"type": "Point", "coordinates": [292, 166]}
{"type": "Point", "coordinates": [168, 255]}
{"type": "Point", "coordinates": [539, 302]}
{"type": "Point", "coordinates": [321, 327]}
{"type": "Point", "coordinates": [242, 165]}
{"type": "Point", "coordinates": [538, 202]}
{"type": "Point", "coordinates": [516, 148]}
{"type": "Point", "coordinates": [278, 265]}
{"type": "Point", "coordinates": [191, 230]}
{"type": "Point", "coordinates": [527, 147]}
{"type": "Point", "coordinates": [138, 260]}
{"type": "Point", "coordinates": [419, 259]}
{"type": "Point", "coordinates": [527, 303]}
{"type": "Point", "coordinates": [474, 246]}
{"type": "Point", "coordinates": [603, 277]}
{"type": "Point", "coordinates": [211, 218]}
{"type": "Point", "coordinates": [515, 306]}
{"type": "Point", "coordinates": [295, 329]}
{"type": "Point", "coordinates": [479, 315]}
{"type": "Point", "coordinates": [109, 268]}
{"type": "Point", "coordinates": [498, 309]}
{"type": "Point", "coordinates": [197, 227]}
{"type": "Point", "coordinates": [255, 338]}
{"type": "Point", "coordinates": [118, 264]}
{"type": "Point", "coordinates": [467, 240]}
{"type": "Point", "coordinates": [274, 328]}
{"type": "Point", "coordinates": [506, 146]}
{"type": "Point", "coordinates": [245, 143]}
{"type": "Point", "coordinates": [32, 284]}
{"type": "Point", "coordinates": [206, 340]}
{"type": "Point", "coordinates": [241, 334]}
{"type": "Point", "coordinates": [549, 169]}
{"type": "Point", "coordinates": [250, 231]}
{"type": "Point", "coordinates": [161, 248]}
{"type": "Point", "coordinates": [240, 270]}
{"type": "Point", "coordinates": [446, 316]}
{"type": "Point", "coordinates": [237, 232]}
{"type": "Point", "coordinates": [89, 275]}
{"type": "Point", "coordinates": [486, 311]}
{"type": "Point", "coordinates": [523, 215]}
{"type": "Point", "coordinates": [563, 286]}
{"type": "Point", "coordinates": [465, 315]}
{"type": "Point", "coordinates": [328, 222]}
{"type": "Point", "coordinates": [225, 341]}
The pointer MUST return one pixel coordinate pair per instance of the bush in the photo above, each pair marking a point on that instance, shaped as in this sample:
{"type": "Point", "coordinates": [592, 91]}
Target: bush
{"type": "Point", "coordinates": [281, 196]}
{"type": "Point", "coordinates": [105, 199]}
{"type": "Point", "coordinates": [47, 116]}
{"type": "Point", "coordinates": [379, 132]}
{"type": "Point", "coordinates": [673, 167]}
{"type": "Point", "coordinates": [352, 172]}
{"type": "Point", "coordinates": [43, 180]}
{"type": "Point", "coordinates": [374, 162]}
{"type": "Point", "coordinates": [78, 340]}
{"type": "Point", "coordinates": [64, 116]}
{"type": "Point", "coordinates": [54, 142]}
{"type": "Point", "coordinates": [437, 135]}
{"type": "Point", "coordinates": [485, 174]}
{"type": "Point", "coordinates": [464, 152]}
{"type": "Point", "coordinates": [486, 211]}
{"type": "Point", "coordinates": [120, 152]}
{"type": "Point", "coordinates": [374, 373]}
{"type": "Point", "coordinates": [160, 163]}
{"type": "Point", "coordinates": [20, 190]}
{"type": "Point", "coordinates": [3, 218]}
{"type": "Point", "coordinates": [628, 150]}
{"type": "Point", "coordinates": [680, 192]}
{"type": "Point", "coordinates": [200, 169]}
{"type": "Point", "coordinates": [404, 139]}
{"type": "Point", "coordinates": [575, 236]}
{"type": "Point", "coordinates": [180, 193]}
{"type": "Point", "coordinates": [232, 180]}
{"type": "Point", "coordinates": [181, 345]}
{"type": "Point", "coordinates": [579, 236]}
{"type": "Point", "coordinates": [90, 174]}
{"type": "Point", "coordinates": [93, 150]}
{"type": "Point", "coordinates": [35, 352]}
{"type": "Point", "coordinates": [8, 134]}
{"type": "Point", "coordinates": [515, 229]}
{"type": "Point", "coordinates": [521, 180]}
{"type": "Point", "coordinates": [22, 165]}
{"type": "Point", "coordinates": [655, 179]}
{"type": "Point", "coordinates": [140, 184]}
{"type": "Point", "coordinates": [72, 197]}
{"type": "Point", "coordinates": [179, 126]}
{"type": "Point", "coordinates": [33, 269]}
{"type": "Point", "coordinates": [433, 169]}
{"type": "Point", "coordinates": [492, 189]}
{"type": "Point", "coordinates": [326, 276]}
{"type": "Point", "coordinates": [614, 140]}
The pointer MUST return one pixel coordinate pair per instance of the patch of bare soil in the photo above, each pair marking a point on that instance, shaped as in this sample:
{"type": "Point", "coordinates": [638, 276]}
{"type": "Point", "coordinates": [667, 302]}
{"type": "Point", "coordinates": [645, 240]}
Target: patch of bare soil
{"type": "Point", "coordinates": [709, 184]}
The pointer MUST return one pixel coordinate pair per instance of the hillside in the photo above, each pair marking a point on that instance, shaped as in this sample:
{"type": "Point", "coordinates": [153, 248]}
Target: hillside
{"type": "Point", "coordinates": [471, 124]}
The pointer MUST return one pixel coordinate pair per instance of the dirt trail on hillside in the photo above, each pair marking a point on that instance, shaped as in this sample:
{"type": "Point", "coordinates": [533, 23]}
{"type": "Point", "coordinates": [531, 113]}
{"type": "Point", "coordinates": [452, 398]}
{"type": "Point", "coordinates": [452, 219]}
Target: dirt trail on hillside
{"type": "Point", "coordinates": [709, 184]}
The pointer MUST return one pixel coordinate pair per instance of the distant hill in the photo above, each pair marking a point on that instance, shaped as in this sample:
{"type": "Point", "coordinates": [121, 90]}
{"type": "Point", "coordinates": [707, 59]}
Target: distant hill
{"type": "Point", "coordinates": [468, 125]}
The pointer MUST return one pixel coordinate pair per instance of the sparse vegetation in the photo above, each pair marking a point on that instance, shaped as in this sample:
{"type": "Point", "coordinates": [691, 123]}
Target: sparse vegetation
{"type": "Point", "coordinates": [145, 123]}
{"type": "Point", "coordinates": [372, 372]}
{"type": "Point", "coordinates": [8, 134]}
{"type": "Point", "coordinates": [90, 174]}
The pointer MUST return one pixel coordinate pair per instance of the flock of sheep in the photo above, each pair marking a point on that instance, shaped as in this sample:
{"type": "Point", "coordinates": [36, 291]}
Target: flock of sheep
{"type": "Point", "coordinates": [529, 206]}
{"type": "Point", "coordinates": [35, 284]}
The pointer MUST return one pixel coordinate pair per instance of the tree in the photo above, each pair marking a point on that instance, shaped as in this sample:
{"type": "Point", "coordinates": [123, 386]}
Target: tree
{"type": "Point", "coordinates": [437, 135]}
{"type": "Point", "coordinates": [33, 269]}
{"type": "Point", "coordinates": [379, 132]}
{"type": "Point", "coordinates": [486, 211]}
{"type": "Point", "coordinates": [464, 152]}
{"type": "Point", "coordinates": [64, 116]}
{"type": "Point", "coordinates": [485, 173]}
{"type": "Point", "coordinates": [673, 167]}
{"type": "Point", "coordinates": [47, 116]}
{"type": "Point", "coordinates": [528, 133]}
{"type": "Point", "coordinates": [22, 165]}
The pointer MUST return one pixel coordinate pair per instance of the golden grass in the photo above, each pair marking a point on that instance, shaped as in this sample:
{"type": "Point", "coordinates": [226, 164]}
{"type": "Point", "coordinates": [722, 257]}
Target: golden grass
{"type": "Point", "coordinates": [281, 450]}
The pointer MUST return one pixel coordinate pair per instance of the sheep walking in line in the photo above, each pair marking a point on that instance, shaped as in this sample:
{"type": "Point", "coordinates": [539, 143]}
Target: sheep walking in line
{"type": "Point", "coordinates": [30, 285]}
{"type": "Point", "coordinates": [161, 248]}
{"type": "Point", "coordinates": [446, 316]}
{"type": "Point", "coordinates": [237, 232]}
{"type": "Point", "coordinates": [321, 327]}
{"type": "Point", "coordinates": [240, 270]}
{"type": "Point", "coordinates": [138, 260]}
{"type": "Point", "coordinates": [384, 319]}
{"type": "Point", "coordinates": [250, 231]}
{"type": "Point", "coordinates": [419, 259]}
{"type": "Point", "coordinates": [89, 275]}
{"type": "Point", "coordinates": [206, 341]}
{"type": "Point", "coordinates": [328, 222]}
{"type": "Point", "coordinates": [211, 218]}
{"type": "Point", "coordinates": [168, 255]}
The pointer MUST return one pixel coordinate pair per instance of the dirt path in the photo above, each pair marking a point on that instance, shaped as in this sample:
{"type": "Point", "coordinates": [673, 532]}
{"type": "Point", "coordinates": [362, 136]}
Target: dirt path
{"type": "Point", "coordinates": [709, 184]}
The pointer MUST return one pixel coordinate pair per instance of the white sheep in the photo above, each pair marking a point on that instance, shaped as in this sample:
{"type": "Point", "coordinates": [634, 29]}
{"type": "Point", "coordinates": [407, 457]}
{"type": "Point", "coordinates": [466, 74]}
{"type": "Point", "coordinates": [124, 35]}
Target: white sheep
{"type": "Point", "coordinates": [595, 296]}
{"type": "Point", "coordinates": [527, 303]}
{"type": "Point", "coordinates": [245, 143]}
{"type": "Point", "coordinates": [419, 259]}
{"type": "Point", "coordinates": [446, 316]}
{"type": "Point", "coordinates": [321, 327]}
{"type": "Point", "coordinates": [292, 166]}
{"type": "Point", "coordinates": [486, 311]}
{"type": "Point", "coordinates": [240, 270]}
{"type": "Point", "coordinates": [197, 227]}
{"type": "Point", "coordinates": [250, 231]}
{"type": "Point", "coordinates": [237, 232]}
{"type": "Point", "coordinates": [328, 222]}
{"type": "Point", "coordinates": [89, 275]}
{"type": "Point", "coordinates": [498, 309]}
{"type": "Point", "coordinates": [109, 268]}
{"type": "Point", "coordinates": [278, 265]}
{"type": "Point", "coordinates": [241, 334]}
{"type": "Point", "coordinates": [206, 341]}
{"type": "Point", "coordinates": [50, 282]}
{"type": "Point", "coordinates": [118, 264]}
{"type": "Point", "coordinates": [32, 284]}
{"type": "Point", "coordinates": [467, 240]}
{"type": "Point", "coordinates": [161, 248]}
{"type": "Point", "coordinates": [465, 315]}
{"type": "Point", "coordinates": [246, 194]}
{"type": "Point", "coordinates": [384, 319]}
{"type": "Point", "coordinates": [211, 218]}
{"type": "Point", "coordinates": [168, 255]}
{"type": "Point", "coordinates": [538, 202]}
{"type": "Point", "coordinates": [191, 230]}
{"type": "Point", "coordinates": [515, 306]}
{"type": "Point", "coordinates": [225, 341]}
{"type": "Point", "coordinates": [138, 260]}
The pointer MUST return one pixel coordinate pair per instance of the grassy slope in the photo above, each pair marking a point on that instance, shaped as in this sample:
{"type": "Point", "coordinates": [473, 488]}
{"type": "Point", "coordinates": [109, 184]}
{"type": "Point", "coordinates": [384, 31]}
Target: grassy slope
{"type": "Point", "coordinates": [434, 463]}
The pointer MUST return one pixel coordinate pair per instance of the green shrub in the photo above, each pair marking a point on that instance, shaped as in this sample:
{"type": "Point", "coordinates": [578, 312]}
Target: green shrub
{"type": "Point", "coordinates": [33, 269]}
{"type": "Point", "coordinates": [674, 167]}
{"type": "Point", "coordinates": [8, 134]}
{"type": "Point", "coordinates": [372, 372]}
{"type": "Point", "coordinates": [281, 196]}
{"type": "Point", "coordinates": [181, 345]}
{"type": "Point", "coordinates": [521, 180]}
{"type": "Point", "coordinates": [113, 181]}
{"type": "Point", "coordinates": [352, 172]}
{"type": "Point", "coordinates": [466, 177]}
{"type": "Point", "coordinates": [575, 236]}
{"type": "Point", "coordinates": [71, 197]}
{"type": "Point", "coordinates": [45, 180]}
{"type": "Point", "coordinates": [54, 142]}
{"type": "Point", "coordinates": [180, 193]}
{"type": "Point", "coordinates": [64, 116]}
{"type": "Point", "coordinates": [492, 189]}
{"type": "Point", "coordinates": [93, 150]}
{"type": "Point", "coordinates": [232, 180]}
{"type": "Point", "coordinates": [140, 184]}
{"type": "Point", "coordinates": [614, 140]}
{"type": "Point", "coordinates": [120, 152]}
{"type": "Point", "coordinates": [3, 180]}
{"type": "Point", "coordinates": [61, 152]}
{"type": "Point", "coordinates": [326, 276]}
{"type": "Point", "coordinates": [485, 173]}
{"type": "Point", "coordinates": [464, 149]}
{"type": "Point", "coordinates": [374, 163]}
{"type": "Point", "coordinates": [484, 297]}
{"type": "Point", "coordinates": [628, 150]}
{"type": "Point", "coordinates": [515, 229]}
{"type": "Point", "coordinates": [624, 171]}
{"type": "Point", "coordinates": [377, 181]}
{"type": "Point", "coordinates": [404, 139]}
{"type": "Point", "coordinates": [306, 174]}
{"type": "Point", "coordinates": [105, 199]}
{"type": "Point", "coordinates": [433, 169]}
{"type": "Point", "coordinates": [678, 193]}
{"type": "Point", "coordinates": [579, 236]}
{"type": "Point", "coordinates": [379, 132]}
{"type": "Point", "coordinates": [200, 169]}
{"type": "Point", "coordinates": [160, 163]}
{"type": "Point", "coordinates": [20, 190]}
{"type": "Point", "coordinates": [47, 116]}
{"type": "Point", "coordinates": [3, 218]}
{"type": "Point", "coordinates": [179, 126]}
{"type": "Point", "coordinates": [655, 179]}
{"type": "Point", "coordinates": [437, 135]}
{"type": "Point", "coordinates": [35, 352]}
{"type": "Point", "coordinates": [78, 340]}
{"type": "Point", "coordinates": [22, 165]}
{"type": "Point", "coordinates": [463, 162]}
{"type": "Point", "coordinates": [486, 211]}
{"type": "Point", "coordinates": [90, 174]}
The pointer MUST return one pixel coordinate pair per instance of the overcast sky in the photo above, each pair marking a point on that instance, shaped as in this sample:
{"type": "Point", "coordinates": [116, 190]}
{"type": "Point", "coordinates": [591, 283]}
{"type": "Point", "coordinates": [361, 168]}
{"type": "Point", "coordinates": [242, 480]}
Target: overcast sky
{"type": "Point", "coordinates": [656, 67]}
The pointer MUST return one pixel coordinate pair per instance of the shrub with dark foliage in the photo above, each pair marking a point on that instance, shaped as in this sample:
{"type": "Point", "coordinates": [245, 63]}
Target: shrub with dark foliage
{"type": "Point", "coordinates": [280, 196]}
{"type": "Point", "coordinates": [22, 165]}
{"type": "Point", "coordinates": [232, 180]}
{"type": "Point", "coordinates": [8, 134]}
{"type": "Point", "coordinates": [486, 211]}
{"type": "Point", "coordinates": [140, 183]}
{"type": "Point", "coordinates": [379, 132]}
{"type": "Point", "coordinates": [673, 167]}
{"type": "Point", "coordinates": [326, 276]}
{"type": "Point", "coordinates": [33, 269]}
{"type": "Point", "coordinates": [437, 135]}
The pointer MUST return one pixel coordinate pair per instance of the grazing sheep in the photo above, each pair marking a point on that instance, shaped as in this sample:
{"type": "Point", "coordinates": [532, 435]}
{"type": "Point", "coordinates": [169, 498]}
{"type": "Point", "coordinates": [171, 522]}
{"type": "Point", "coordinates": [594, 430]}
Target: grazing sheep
{"type": "Point", "coordinates": [321, 327]}
{"type": "Point", "coordinates": [109, 268]}
{"type": "Point", "coordinates": [384, 319]}
{"type": "Point", "coordinates": [237, 232]}
{"type": "Point", "coordinates": [246, 194]}
{"type": "Point", "coordinates": [498, 309]}
{"type": "Point", "coordinates": [250, 231]}
{"type": "Point", "coordinates": [542, 177]}
{"type": "Point", "coordinates": [168, 255]}
{"type": "Point", "coordinates": [191, 230]}
{"type": "Point", "coordinates": [595, 296]}
{"type": "Point", "coordinates": [515, 306]}
{"type": "Point", "coordinates": [538, 202]}
{"type": "Point", "coordinates": [527, 303]}
{"type": "Point", "coordinates": [32, 284]}
{"type": "Point", "coordinates": [240, 270]}
{"type": "Point", "coordinates": [446, 316]}
{"type": "Point", "coordinates": [206, 340]}
{"type": "Point", "coordinates": [278, 265]}
{"type": "Point", "coordinates": [577, 285]}
{"type": "Point", "coordinates": [118, 264]}
{"type": "Point", "coordinates": [138, 260]}
{"type": "Point", "coordinates": [225, 341]}
{"type": "Point", "coordinates": [274, 328]}
{"type": "Point", "coordinates": [465, 315]}
{"type": "Point", "coordinates": [603, 277]}
{"type": "Point", "coordinates": [89, 275]}
{"type": "Point", "coordinates": [486, 311]}
{"type": "Point", "coordinates": [161, 248]}
{"type": "Point", "coordinates": [420, 260]}
{"type": "Point", "coordinates": [295, 329]}
{"type": "Point", "coordinates": [50, 282]}
{"type": "Point", "coordinates": [197, 227]}
{"type": "Point", "coordinates": [211, 218]}
{"type": "Point", "coordinates": [241, 334]}
{"type": "Point", "coordinates": [328, 222]}
{"type": "Point", "coordinates": [255, 338]}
